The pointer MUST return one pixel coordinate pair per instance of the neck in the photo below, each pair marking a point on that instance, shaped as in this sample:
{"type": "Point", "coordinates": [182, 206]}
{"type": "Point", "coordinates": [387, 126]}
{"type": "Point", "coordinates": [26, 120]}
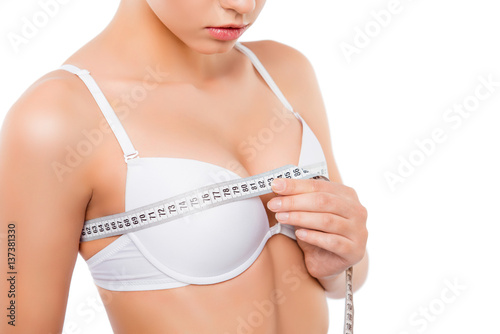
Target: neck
{"type": "Point", "coordinates": [136, 36]}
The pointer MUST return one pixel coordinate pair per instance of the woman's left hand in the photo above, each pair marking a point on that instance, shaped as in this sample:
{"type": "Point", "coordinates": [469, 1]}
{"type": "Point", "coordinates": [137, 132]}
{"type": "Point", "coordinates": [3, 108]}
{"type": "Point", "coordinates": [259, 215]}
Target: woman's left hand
{"type": "Point", "coordinates": [330, 220]}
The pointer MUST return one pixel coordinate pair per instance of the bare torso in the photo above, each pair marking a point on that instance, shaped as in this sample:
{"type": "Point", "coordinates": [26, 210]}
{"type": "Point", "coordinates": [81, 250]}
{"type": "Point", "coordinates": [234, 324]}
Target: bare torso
{"type": "Point", "coordinates": [175, 119]}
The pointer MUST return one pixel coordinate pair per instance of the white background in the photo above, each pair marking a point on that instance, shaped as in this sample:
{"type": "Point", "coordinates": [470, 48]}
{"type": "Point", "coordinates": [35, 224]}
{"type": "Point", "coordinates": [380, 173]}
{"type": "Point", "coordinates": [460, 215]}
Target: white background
{"type": "Point", "coordinates": [441, 224]}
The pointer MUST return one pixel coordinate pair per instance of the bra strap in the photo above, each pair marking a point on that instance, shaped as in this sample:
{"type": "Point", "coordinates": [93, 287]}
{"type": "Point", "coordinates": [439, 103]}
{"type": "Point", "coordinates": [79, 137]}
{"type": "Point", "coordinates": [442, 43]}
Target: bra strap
{"type": "Point", "coordinates": [121, 135]}
{"type": "Point", "coordinates": [267, 77]}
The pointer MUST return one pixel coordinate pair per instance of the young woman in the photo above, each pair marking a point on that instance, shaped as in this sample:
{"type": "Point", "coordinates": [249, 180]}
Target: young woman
{"type": "Point", "coordinates": [163, 101]}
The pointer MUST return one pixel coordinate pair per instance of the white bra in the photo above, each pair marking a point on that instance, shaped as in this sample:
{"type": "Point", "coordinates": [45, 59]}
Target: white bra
{"type": "Point", "coordinates": [206, 247]}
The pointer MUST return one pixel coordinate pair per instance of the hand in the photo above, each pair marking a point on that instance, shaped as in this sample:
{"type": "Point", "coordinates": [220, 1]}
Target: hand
{"type": "Point", "coordinates": [330, 220]}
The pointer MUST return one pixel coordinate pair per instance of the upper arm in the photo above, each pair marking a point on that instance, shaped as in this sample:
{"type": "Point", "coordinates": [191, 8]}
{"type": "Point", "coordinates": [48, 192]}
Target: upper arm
{"type": "Point", "coordinates": [296, 78]}
{"type": "Point", "coordinates": [44, 211]}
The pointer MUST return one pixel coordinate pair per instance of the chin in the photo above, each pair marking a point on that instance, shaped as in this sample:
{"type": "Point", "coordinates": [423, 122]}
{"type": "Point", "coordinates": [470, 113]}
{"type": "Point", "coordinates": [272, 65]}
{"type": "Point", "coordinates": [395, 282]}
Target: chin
{"type": "Point", "coordinates": [212, 46]}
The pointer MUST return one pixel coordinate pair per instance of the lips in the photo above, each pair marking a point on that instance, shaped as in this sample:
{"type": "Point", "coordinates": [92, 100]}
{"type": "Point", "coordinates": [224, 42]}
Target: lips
{"type": "Point", "coordinates": [227, 32]}
{"type": "Point", "coordinates": [235, 26]}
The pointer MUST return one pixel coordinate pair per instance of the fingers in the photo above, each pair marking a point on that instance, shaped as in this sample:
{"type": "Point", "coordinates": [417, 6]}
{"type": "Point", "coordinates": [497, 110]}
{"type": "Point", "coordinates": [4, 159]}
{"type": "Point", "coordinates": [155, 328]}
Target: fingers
{"type": "Point", "coordinates": [337, 244]}
{"type": "Point", "coordinates": [284, 186]}
{"type": "Point", "coordinates": [325, 222]}
{"type": "Point", "coordinates": [312, 202]}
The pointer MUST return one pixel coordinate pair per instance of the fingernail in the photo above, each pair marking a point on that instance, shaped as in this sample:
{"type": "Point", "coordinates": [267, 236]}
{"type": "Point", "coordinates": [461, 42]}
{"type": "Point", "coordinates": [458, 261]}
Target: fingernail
{"type": "Point", "coordinates": [301, 233]}
{"type": "Point", "coordinates": [274, 204]}
{"type": "Point", "coordinates": [282, 216]}
{"type": "Point", "coordinates": [278, 184]}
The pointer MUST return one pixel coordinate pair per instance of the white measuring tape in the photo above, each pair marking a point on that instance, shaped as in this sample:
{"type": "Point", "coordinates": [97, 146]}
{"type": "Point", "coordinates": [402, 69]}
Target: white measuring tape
{"type": "Point", "coordinates": [204, 198]}
{"type": "Point", "coordinates": [193, 201]}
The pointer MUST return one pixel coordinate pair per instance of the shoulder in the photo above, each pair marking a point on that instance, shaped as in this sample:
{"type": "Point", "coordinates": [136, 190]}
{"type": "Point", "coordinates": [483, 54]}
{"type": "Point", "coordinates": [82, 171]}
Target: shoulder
{"type": "Point", "coordinates": [294, 74]}
{"type": "Point", "coordinates": [270, 49]}
{"type": "Point", "coordinates": [282, 61]}
{"type": "Point", "coordinates": [45, 119]}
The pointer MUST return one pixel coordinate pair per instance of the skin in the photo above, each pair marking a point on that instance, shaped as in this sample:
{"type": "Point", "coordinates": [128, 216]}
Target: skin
{"type": "Point", "coordinates": [198, 75]}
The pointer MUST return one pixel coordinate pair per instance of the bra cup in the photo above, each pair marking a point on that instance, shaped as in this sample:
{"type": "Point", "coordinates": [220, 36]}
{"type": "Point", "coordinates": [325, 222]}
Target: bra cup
{"type": "Point", "coordinates": [311, 151]}
{"type": "Point", "coordinates": [154, 179]}
{"type": "Point", "coordinates": [208, 243]}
